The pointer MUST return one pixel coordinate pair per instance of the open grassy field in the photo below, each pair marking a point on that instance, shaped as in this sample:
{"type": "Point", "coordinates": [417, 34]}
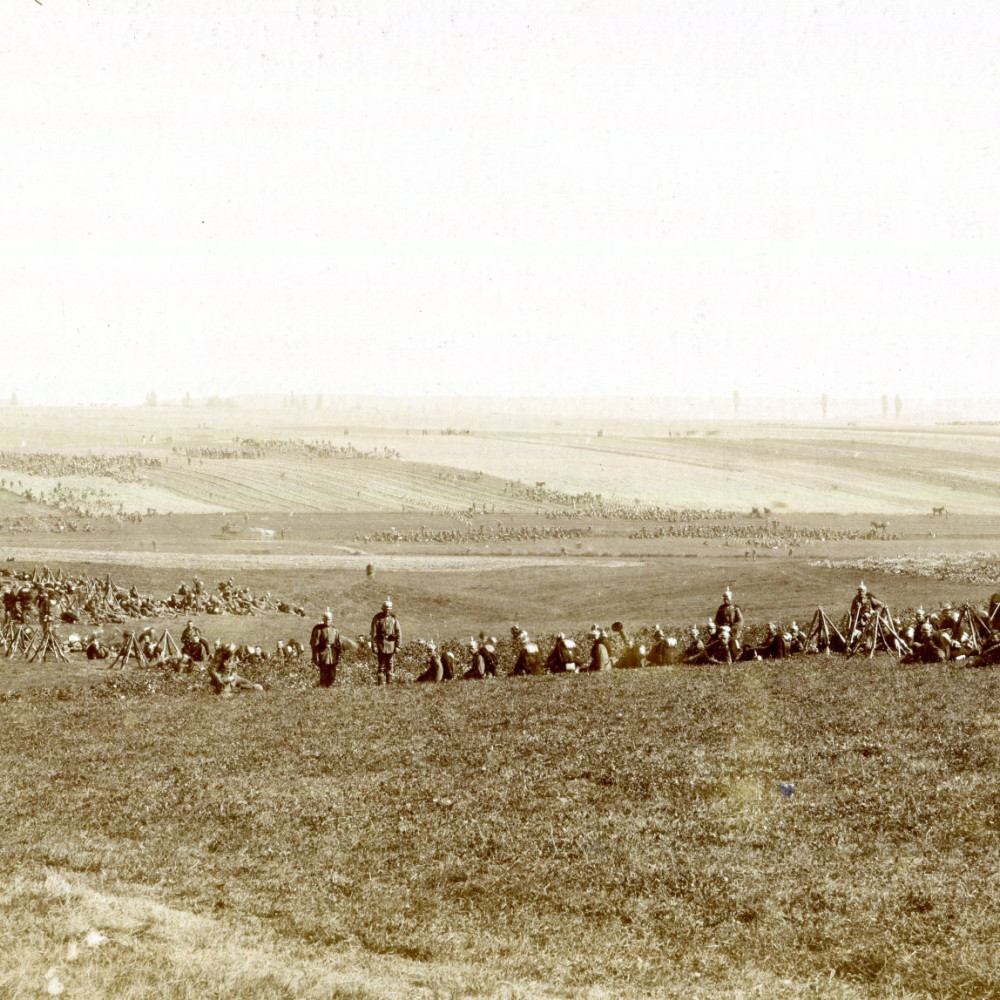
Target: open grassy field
{"type": "Point", "coordinates": [620, 835]}
{"type": "Point", "coordinates": [616, 836]}
{"type": "Point", "coordinates": [728, 464]}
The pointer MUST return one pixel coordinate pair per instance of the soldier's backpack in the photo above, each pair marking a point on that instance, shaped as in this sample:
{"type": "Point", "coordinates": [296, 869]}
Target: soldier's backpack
{"type": "Point", "coordinates": [490, 661]}
{"type": "Point", "coordinates": [386, 631]}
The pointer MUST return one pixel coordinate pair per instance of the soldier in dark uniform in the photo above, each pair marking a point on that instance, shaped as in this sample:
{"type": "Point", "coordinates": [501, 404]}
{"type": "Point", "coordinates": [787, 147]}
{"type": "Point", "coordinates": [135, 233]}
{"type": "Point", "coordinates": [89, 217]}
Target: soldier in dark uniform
{"type": "Point", "coordinates": [600, 658]}
{"type": "Point", "coordinates": [222, 673]}
{"type": "Point", "coordinates": [529, 659]}
{"type": "Point", "coordinates": [488, 648]}
{"type": "Point", "coordinates": [326, 648]}
{"type": "Point", "coordinates": [435, 672]}
{"type": "Point", "coordinates": [929, 646]}
{"type": "Point", "coordinates": [562, 659]}
{"type": "Point", "coordinates": [720, 649]}
{"type": "Point", "coordinates": [96, 650]}
{"type": "Point", "coordinates": [774, 647]}
{"type": "Point", "coordinates": [477, 662]}
{"type": "Point", "coordinates": [729, 614]}
{"type": "Point", "coordinates": [661, 652]}
{"type": "Point", "coordinates": [193, 645]}
{"type": "Point", "coordinates": [695, 652]}
{"type": "Point", "coordinates": [863, 605]}
{"type": "Point", "coordinates": [386, 637]}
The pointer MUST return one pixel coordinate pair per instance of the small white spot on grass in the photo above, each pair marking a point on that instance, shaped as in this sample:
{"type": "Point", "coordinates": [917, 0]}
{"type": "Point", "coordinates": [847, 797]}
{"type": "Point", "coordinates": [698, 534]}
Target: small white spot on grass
{"type": "Point", "coordinates": [94, 939]}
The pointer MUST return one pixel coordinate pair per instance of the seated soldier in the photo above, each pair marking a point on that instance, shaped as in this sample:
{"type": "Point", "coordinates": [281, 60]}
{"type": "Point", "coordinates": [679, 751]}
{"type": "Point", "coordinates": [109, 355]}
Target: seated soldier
{"type": "Point", "coordinates": [435, 666]}
{"type": "Point", "coordinates": [563, 657]}
{"type": "Point", "coordinates": [797, 639]}
{"type": "Point", "coordinates": [662, 650]}
{"type": "Point", "coordinates": [448, 662]}
{"type": "Point", "coordinates": [774, 646]}
{"type": "Point", "coordinates": [600, 658]}
{"type": "Point", "coordinates": [633, 656]}
{"type": "Point", "coordinates": [488, 647]}
{"type": "Point", "coordinates": [477, 663]}
{"type": "Point", "coordinates": [529, 659]}
{"type": "Point", "coordinates": [863, 605]}
{"type": "Point", "coordinates": [148, 644]}
{"type": "Point", "coordinates": [720, 649]}
{"type": "Point", "coordinates": [222, 673]}
{"type": "Point", "coordinates": [695, 652]}
{"type": "Point", "coordinates": [948, 622]}
{"type": "Point", "coordinates": [193, 645]}
{"type": "Point", "coordinates": [929, 646]}
{"type": "Point", "coordinates": [989, 655]}
{"type": "Point", "coordinates": [96, 650]}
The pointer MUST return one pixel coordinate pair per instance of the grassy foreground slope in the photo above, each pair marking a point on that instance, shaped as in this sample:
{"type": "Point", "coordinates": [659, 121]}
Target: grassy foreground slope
{"type": "Point", "coordinates": [618, 835]}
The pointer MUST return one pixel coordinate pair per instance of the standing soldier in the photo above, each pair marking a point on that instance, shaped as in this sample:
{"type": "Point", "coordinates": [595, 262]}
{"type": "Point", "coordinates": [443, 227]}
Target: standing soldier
{"type": "Point", "coordinates": [730, 616]}
{"type": "Point", "coordinates": [386, 637]}
{"type": "Point", "coordinates": [325, 643]}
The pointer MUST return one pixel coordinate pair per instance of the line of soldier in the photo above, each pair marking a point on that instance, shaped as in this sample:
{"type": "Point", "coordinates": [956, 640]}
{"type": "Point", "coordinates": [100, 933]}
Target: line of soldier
{"type": "Point", "coordinates": [929, 638]}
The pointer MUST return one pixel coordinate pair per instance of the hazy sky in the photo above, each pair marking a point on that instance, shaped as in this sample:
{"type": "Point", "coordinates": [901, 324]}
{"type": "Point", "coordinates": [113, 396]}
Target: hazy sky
{"type": "Point", "coordinates": [501, 198]}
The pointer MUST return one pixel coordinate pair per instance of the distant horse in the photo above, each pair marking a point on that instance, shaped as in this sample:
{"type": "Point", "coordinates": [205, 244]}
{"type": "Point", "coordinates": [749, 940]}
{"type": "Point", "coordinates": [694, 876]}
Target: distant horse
{"type": "Point", "coordinates": [939, 511]}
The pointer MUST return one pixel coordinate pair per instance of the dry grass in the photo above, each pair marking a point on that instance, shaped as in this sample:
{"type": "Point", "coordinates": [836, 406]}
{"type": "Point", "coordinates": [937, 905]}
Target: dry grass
{"type": "Point", "coordinates": [622, 832]}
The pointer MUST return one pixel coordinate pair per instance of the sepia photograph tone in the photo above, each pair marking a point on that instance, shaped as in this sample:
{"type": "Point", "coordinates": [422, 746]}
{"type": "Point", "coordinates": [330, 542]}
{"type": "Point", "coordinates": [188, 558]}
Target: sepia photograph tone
{"type": "Point", "coordinates": [500, 500]}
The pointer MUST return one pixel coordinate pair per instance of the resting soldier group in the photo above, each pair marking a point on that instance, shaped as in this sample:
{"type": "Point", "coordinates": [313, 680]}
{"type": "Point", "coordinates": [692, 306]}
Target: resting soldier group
{"type": "Point", "coordinates": [964, 634]}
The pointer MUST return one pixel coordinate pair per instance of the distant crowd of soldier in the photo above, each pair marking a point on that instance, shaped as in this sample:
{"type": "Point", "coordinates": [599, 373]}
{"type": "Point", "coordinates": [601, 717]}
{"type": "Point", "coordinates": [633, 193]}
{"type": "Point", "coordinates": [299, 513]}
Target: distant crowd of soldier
{"type": "Point", "coordinates": [497, 532]}
{"type": "Point", "coordinates": [251, 448]}
{"type": "Point", "coordinates": [764, 536]}
{"type": "Point", "coordinates": [124, 467]}
{"type": "Point", "coordinates": [52, 598]}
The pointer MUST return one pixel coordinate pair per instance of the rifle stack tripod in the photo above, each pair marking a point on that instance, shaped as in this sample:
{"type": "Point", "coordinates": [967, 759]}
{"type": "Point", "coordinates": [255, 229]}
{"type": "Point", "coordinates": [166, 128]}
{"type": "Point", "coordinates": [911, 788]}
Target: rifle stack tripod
{"type": "Point", "coordinates": [31, 642]}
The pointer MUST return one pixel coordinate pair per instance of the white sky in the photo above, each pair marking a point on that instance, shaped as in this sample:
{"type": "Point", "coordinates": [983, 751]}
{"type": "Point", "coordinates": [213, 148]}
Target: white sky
{"type": "Point", "coordinates": [509, 198]}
